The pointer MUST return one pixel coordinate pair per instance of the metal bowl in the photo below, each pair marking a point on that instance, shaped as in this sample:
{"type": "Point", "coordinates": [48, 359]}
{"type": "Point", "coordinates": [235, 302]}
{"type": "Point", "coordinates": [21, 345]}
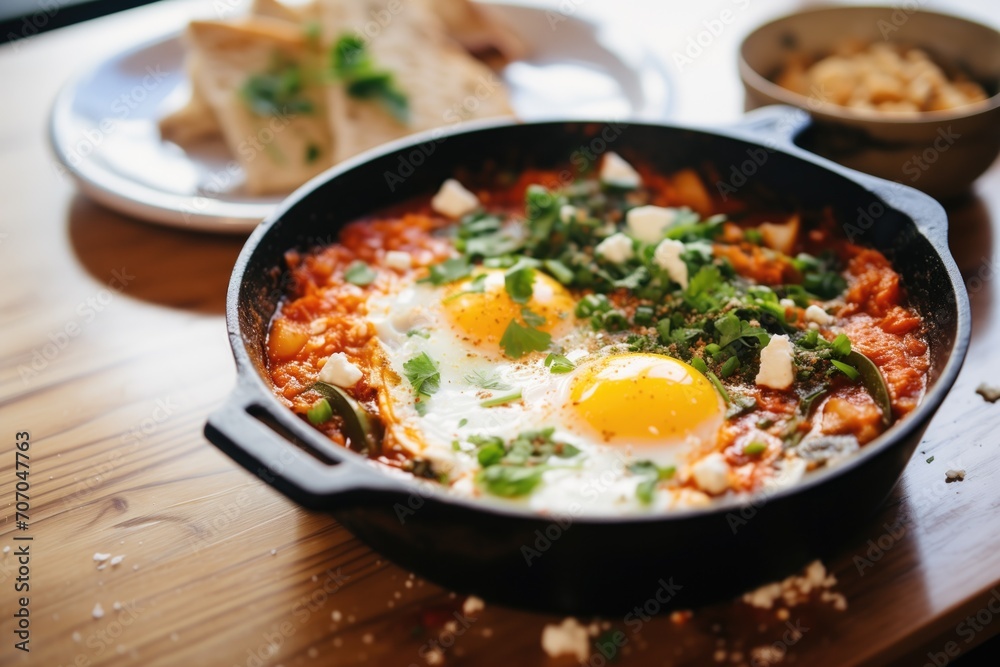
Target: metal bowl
{"type": "Point", "coordinates": [580, 564]}
{"type": "Point", "coordinates": [939, 152]}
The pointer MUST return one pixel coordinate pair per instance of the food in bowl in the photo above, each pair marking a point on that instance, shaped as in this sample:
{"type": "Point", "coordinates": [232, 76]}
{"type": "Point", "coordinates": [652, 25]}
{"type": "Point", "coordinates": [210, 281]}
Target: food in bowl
{"type": "Point", "coordinates": [879, 77]}
{"type": "Point", "coordinates": [619, 340]}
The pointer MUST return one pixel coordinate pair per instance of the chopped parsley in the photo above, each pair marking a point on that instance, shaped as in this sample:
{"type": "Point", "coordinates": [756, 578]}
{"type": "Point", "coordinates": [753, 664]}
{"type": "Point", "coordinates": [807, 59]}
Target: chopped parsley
{"type": "Point", "coordinates": [557, 363]}
{"type": "Point", "coordinates": [515, 468]}
{"type": "Point", "coordinates": [424, 377]}
{"type": "Point", "coordinates": [486, 381]}
{"type": "Point", "coordinates": [519, 281]}
{"type": "Point", "coordinates": [352, 64]}
{"type": "Point", "coordinates": [448, 271]}
{"type": "Point", "coordinates": [279, 92]}
{"type": "Point", "coordinates": [519, 340]}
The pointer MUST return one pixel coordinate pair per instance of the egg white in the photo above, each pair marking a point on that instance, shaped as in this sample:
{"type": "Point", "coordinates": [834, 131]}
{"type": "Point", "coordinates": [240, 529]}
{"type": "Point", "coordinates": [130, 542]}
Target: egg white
{"type": "Point", "coordinates": [412, 321]}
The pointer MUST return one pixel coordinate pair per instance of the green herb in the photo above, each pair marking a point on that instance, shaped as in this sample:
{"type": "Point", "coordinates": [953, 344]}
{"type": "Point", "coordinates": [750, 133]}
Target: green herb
{"type": "Point", "coordinates": [755, 448]}
{"type": "Point", "coordinates": [422, 333]}
{"type": "Point", "coordinates": [699, 365]}
{"type": "Point", "coordinates": [462, 422]}
{"type": "Point", "coordinates": [732, 329]}
{"type": "Point", "coordinates": [557, 363]}
{"type": "Point", "coordinates": [279, 92]}
{"type": "Point", "coordinates": [653, 474]}
{"type": "Point", "coordinates": [807, 401]}
{"type": "Point", "coordinates": [510, 481]}
{"type": "Point", "coordinates": [729, 367]}
{"type": "Point", "coordinates": [485, 380]}
{"type": "Point", "coordinates": [718, 385]}
{"type": "Point", "coordinates": [423, 375]}
{"type": "Point", "coordinates": [312, 153]}
{"type": "Point", "coordinates": [476, 286]}
{"type": "Point", "coordinates": [501, 400]}
{"type": "Point", "coordinates": [359, 273]}
{"type": "Point", "coordinates": [351, 63]}
{"type": "Point", "coordinates": [841, 345]}
{"type": "Point", "coordinates": [643, 315]}
{"type": "Point", "coordinates": [490, 452]}
{"type": "Point", "coordinates": [930, 460]}
{"type": "Point", "coordinates": [320, 412]}
{"type": "Point", "coordinates": [518, 340]}
{"type": "Point", "coordinates": [531, 318]}
{"type": "Point", "coordinates": [846, 369]}
{"type": "Point", "coordinates": [753, 236]}
{"type": "Point", "coordinates": [448, 271]}
{"type": "Point", "coordinates": [519, 281]}
{"type": "Point", "coordinates": [819, 275]}
{"type": "Point", "coordinates": [559, 271]}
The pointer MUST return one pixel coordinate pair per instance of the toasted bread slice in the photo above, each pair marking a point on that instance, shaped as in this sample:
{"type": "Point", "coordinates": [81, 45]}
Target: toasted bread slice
{"type": "Point", "coordinates": [442, 83]}
{"type": "Point", "coordinates": [194, 121]}
{"type": "Point", "coordinates": [478, 28]}
{"type": "Point", "coordinates": [279, 146]}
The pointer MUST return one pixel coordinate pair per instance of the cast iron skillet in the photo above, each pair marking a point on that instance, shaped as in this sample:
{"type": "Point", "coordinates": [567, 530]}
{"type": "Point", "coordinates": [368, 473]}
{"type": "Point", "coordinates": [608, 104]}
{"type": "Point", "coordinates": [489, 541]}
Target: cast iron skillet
{"type": "Point", "coordinates": [576, 564]}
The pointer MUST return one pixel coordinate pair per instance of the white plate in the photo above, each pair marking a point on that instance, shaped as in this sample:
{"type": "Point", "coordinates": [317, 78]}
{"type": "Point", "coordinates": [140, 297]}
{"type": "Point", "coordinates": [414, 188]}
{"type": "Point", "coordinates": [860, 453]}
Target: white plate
{"type": "Point", "coordinates": [104, 124]}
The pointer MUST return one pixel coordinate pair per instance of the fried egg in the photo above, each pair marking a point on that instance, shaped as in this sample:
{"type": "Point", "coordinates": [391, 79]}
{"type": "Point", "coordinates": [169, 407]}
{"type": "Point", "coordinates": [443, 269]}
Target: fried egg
{"type": "Point", "coordinates": [616, 407]}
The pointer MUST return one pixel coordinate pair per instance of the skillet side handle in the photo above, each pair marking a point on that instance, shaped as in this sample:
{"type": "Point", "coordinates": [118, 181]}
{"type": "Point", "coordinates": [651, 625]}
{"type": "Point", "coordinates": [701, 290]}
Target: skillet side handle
{"type": "Point", "coordinates": [775, 126]}
{"type": "Point", "coordinates": [284, 465]}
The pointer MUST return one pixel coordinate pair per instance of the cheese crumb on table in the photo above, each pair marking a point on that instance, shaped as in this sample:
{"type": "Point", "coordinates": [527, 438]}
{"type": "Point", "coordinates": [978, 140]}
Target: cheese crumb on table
{"type": "Point", "coordinates": [453, 200]}
{"type": "Point", "coordinates": [776, 368]}
{"type": "Point", "coordinates": [797, 589]}
{"type": "Point", "coordinates": [619, 173]}
{"type": "Point", "coordinates": [472, 605]}
{"type": "Point", "coordinates": [954, 475]}
{"type": "Point", "coordinates": [98, 611]}
{"type": "Point", "coordinates": [339, 371]}
{"type": "Point", "coordinates": [567, 638]}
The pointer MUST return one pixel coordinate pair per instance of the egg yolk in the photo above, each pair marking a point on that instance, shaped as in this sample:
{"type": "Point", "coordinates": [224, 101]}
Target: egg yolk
{"type": "Point", "coordinates": [636, 398]}
{"type": "Point", "coordinates": [482, 317]}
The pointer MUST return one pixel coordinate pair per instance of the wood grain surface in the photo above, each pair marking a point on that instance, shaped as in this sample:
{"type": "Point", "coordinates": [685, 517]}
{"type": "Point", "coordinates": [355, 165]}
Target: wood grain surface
{"type": "Point", "coordinates": [114, 351]}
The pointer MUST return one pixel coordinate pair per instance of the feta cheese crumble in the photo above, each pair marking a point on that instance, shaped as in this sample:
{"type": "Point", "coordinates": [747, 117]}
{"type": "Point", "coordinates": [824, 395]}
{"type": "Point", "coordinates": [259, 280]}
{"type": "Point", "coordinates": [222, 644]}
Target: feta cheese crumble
{"type": "Point", "coordinates": [339, 371]}
{"type": "Point", "coordinates": [619, 173]}
{"type": "Point", "coordinates": [398, 260]}
{"type": "Point", "coordinates": [667, 256]}
{"type": "Point", "coordinates": [711, 473]}
{"type": "Point", "coordinates": [776, 368]}
{"type": "Point", "coordinates": [617, 248]}
{"type": "Point", "coordinates": [648, 223]}
{"type": "Point", "coordinates": [453, 200]}
{"type": "Point", "coordinates": [816, 314]}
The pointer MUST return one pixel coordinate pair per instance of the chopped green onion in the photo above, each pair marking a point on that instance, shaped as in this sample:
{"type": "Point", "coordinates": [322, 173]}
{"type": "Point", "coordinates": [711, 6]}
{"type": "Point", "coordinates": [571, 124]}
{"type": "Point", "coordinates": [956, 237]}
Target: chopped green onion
{"type": "Point", "coordinates": [360, 274]}
{"type": "Point", "coordinates": [718, 385]}
{"type": "Point", "coordinates": [755, 448]}
{"type": "Point", "coordinates": [846, 369]}
{"type": "Point", "coordinates": [320, 412]}
{"type": "Point", "coordinates": [501, 400]}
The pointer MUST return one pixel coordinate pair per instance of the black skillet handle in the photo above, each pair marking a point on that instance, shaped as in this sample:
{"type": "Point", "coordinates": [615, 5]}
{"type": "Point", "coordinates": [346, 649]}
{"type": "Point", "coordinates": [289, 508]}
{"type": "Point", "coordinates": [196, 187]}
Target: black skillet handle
{"type": "Point", "coordinates": [774, 126]}
{"type": "Point", "coordinates": [289, 455]}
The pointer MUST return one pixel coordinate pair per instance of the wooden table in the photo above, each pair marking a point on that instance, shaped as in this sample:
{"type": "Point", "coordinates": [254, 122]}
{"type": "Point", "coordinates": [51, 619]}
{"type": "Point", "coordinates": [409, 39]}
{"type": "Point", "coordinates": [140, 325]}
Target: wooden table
{"type": "Point", "coordinates": [114, 351]}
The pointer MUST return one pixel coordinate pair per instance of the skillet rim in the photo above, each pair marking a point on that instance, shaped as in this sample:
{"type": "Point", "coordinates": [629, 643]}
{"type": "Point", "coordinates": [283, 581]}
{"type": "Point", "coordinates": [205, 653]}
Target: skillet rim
{"type": "Point", "coordinates": [375, 480]}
